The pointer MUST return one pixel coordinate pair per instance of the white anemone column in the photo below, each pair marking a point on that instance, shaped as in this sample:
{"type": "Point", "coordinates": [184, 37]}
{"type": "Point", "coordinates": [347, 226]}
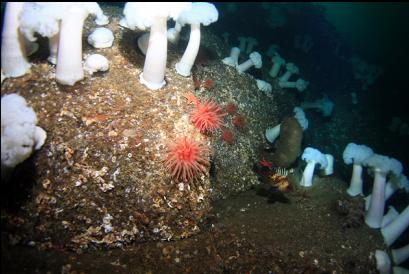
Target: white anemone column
{"type": "Point", "coordinates": [69, 61]}
{"type": "Point", "coordinates": [184, 66]}
{"type": "Point", "coordinates": [392, 231]}
{"type": "Point", "coordinates": [155, 62]}
{"type": "Point", "coordinates": [13, 54]}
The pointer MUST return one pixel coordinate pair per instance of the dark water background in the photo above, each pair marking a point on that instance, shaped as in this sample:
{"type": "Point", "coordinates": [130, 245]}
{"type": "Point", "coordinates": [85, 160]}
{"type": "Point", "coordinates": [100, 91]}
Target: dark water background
{"type": "Point", "coordinates": [376, 32]}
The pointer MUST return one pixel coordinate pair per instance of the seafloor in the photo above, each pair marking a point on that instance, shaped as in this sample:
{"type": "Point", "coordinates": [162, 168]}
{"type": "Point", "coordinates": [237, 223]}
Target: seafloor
{"type": "Point", "coordinates": [314, 232]}
{"type": "Point", "coordinates": [106, 141]}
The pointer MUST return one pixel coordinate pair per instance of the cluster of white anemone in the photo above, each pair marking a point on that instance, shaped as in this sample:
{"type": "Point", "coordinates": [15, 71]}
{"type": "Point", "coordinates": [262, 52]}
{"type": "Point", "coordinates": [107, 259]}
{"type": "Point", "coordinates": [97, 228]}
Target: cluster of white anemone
{"type": "Point", "coordinates": [154, 16]}
{"type": "Point", "coordinates": [290, 70]}
{"type": "Point", "coordinates": [388, 178]}
{"type": "Point", "coordinates": [62, 23]}
{"type": "Point", "coordinates": [254, 60]}
{"type": "Point", "coordinates": [99, 38]}
{"type": "Point", "coordinates": [246, 45]}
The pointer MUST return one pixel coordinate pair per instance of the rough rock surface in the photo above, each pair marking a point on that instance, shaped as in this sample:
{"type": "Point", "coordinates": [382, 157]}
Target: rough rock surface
{"type": "Point", "coordinates": [99, 180]}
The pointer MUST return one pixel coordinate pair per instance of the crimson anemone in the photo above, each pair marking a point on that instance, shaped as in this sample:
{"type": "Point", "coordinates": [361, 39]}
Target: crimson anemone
{"type": "Point", "coordinates": [187, 159]}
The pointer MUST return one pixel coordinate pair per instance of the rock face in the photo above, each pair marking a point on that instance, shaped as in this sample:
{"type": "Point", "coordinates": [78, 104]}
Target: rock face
{"type": "Point", "coordinates": [100, 179]}
{"type": "Point", "coordinates": [289, 143]}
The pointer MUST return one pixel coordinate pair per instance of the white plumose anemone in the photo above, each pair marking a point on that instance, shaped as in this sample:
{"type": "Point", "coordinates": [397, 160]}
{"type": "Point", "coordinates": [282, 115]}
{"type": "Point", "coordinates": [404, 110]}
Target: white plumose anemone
{"type": "Point", "coordinates": [356, 154]}
{"type": "Point", "coordinates": [101, 38]}
{"type": "Point", "coordinates": [254, 60]}
{"type": "Point", "coordinates": [153, 16]}
{"type": "Point", "coordinates": [381, 165]}
{"type": "Point", "coordinates": [399, 255]}
{"type": "Point", "coordinates": [96, 62]}
{"type": "Point", "coordinates": [323, 105]}
{"type": "Point", "coordinates": [291, 69]}
{"type": "Point", "coordinates": [383, 263]}
{"type": "Point", "coordinates": [272, 133]}
{"type": "Point", "coordinates": [174, 33]}
{"type": "Point", "coordinates": [392, 185]}
{"type": "Point", "coordinates": [201, 13]}
{"type": "Point", "coordinates": [329, 169]}
{"type": "Point", "coordinates": [264, 86]}
{"type": "Point", "coordinates": [19, 133]}
{"type": "Point", "coordinates": [392, 231]}
{"type": "Point", "coordinates": [278, 61]}
{"type": "Point", "coordinates": [312, 156]}
{"type": "Point", "coordinates": [300, 85]}
{"type": "Point", "coordinates": [14, 62]}
{"type": "Point", "coordinates": [233, 59]}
